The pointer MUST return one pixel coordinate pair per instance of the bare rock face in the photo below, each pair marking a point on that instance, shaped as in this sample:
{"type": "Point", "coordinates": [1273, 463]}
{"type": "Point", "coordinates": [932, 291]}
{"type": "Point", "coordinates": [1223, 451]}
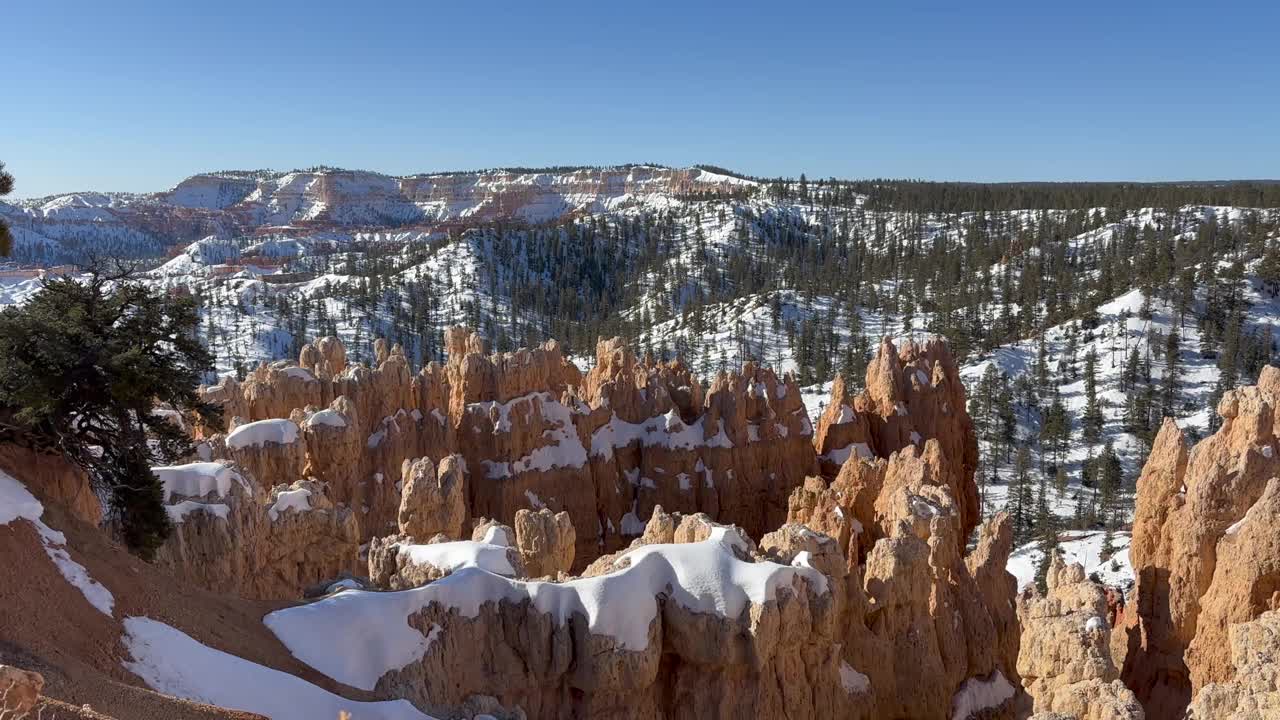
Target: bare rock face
{"type": "Point", "coordinates": [265, 449]}
{"type": "Point", "coordinates": [546, 542]}
{"type": "Point", "coordinates": [434, 500]}
{"type": "Point", "coordinates": [54, 479]}
{"type": "Point", "coordinates": [1204, 549]}
{"type": "Point", "coordinates": [239, 538]}
{"type": "Point", "coordinates": [1065, 657]}
{"type": "Point", "coordinates": [19, 691]}
{"type": "Point", "coordinates": [655, 437]}
{"type": "Point", "coordinates": [911, 396]}
{"type": "Point", "coordinates": [899, 531]}
{"type": "Point", "coordinates": [1253, 692]}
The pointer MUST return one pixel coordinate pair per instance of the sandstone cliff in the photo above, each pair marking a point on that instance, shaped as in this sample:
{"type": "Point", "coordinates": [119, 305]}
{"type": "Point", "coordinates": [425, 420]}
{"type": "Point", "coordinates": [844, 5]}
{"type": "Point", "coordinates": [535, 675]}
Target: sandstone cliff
{"type": "Point", "coordinates": [1253, 692]}
{"type": "Point", "coordinates": [1205, 541]}
{"type": "Point", "coordinates": [1065, 655]}
{"type": "Point", "coordinates": [533, 432]}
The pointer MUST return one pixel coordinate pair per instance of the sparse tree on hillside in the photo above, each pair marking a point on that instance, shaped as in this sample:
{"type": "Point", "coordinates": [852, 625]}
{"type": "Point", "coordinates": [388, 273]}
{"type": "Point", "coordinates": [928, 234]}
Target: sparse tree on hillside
{"type": "Point", "coordinates": [1172, 369]}
{"type": "Point", "coordinates": [6, 237]}
{"type": "Point", "coordinates": [1092, 421]}
{"type": "Point", "coordinates": [1046, 531]}
{"type": "Point", "coordinates": [1020, 496]}
{"type": "Point", "coordinates": [83, 365]}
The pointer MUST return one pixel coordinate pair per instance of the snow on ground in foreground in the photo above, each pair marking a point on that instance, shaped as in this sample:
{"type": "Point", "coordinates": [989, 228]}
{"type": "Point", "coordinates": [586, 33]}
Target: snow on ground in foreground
{"type": "Point", "coordinates": [172, 662]}
{"type": "Point", "coordinates": [17, 503]}
{"type": "Point", "coordinates": [373, 630]}
{"type": "Point", "coordinates": [1084, 548]}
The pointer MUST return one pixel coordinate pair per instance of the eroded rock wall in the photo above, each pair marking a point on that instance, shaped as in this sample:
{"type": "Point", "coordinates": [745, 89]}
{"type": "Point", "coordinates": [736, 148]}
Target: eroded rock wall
{"type": "Point", "coordinates": [1205, 539]}
{"type": "Point", "coordinates": [534, 432]}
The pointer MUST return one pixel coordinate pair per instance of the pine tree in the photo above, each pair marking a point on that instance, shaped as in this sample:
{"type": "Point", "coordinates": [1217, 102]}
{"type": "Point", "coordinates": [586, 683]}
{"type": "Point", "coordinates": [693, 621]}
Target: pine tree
{"type": "Point", "coordinates": [1046, 530]}
{"type": "Point", "coordinates": [6, 237]}
{"type": "Point", "coordinates": [1109, 476]}
{"type": "Point", "coordinates": [1091, 424]}
{"type": "Point", "coordinates": [1020, 500]}
{"type": "Point", "coordinates": [1172, 369]}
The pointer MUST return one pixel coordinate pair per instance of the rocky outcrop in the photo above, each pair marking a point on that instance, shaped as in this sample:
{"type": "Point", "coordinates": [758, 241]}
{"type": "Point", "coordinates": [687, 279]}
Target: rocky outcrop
{"type": "Point", "coordinates": [1065, 657]}
{"type": "Point", "coordinates": [534, 432]}
{"type": "Point", "coordinates": [1253, 692]}
{"type": "Point", "coordinates": [1204, 548]}
{"type": "Point", "coordinates": [895, 621]}
{"type": "Point", "coordinates": [694, 621]}
{"type": "Point", "coordinates": [902, 534]}
{"type": "Point", "coordinates": [434, 500]}
{"type": "Point", "coordinates": [911, 395]}
{"type": "Point", "coordinates": [233, 536]}
{"type": "Point", "coordinates": [621, 646]}
{"type": "Point", "coordinates": [545, 541]}
{"type": "Point", "coordinates": [400, 562]}
{"type": "Point", "coordinates": [54, 479]}
{"type": "Point", "coordinates": [19, 691]}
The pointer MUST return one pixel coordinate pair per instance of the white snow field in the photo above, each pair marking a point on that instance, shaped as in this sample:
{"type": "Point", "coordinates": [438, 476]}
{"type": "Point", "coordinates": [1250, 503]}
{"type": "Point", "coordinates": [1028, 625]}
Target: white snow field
{"type": "Point", "coordinates": [172, 662]}
{"type": "Point", "coordinates": [256, 434]}
{"type": "Point", "coordinates": [1084, 548]}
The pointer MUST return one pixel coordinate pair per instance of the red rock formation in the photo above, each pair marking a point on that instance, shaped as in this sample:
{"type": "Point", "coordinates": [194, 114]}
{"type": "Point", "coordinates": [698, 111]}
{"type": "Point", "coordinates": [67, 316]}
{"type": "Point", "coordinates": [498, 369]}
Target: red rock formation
{"type": "Point", "coordinates": [1204, 549]}
{"type": "Point", "coordinates": [54, 479]}
{"type": "Point", "coordinates": [1253, 692]}
{"type": "Point", "coordinates": [255, 542]}
{"type": "Point", "coordinates": [1065, 656]}
{"type": "Point", "coordinates": [910, 396]}
{"type": "Point", "coordinates": [534, 432]}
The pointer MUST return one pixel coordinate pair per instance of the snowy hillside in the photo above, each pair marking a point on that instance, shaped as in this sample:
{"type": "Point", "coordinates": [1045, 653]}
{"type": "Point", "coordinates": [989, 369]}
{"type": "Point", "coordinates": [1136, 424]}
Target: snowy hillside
{"type": "Point", "coordinates": [718, 270]}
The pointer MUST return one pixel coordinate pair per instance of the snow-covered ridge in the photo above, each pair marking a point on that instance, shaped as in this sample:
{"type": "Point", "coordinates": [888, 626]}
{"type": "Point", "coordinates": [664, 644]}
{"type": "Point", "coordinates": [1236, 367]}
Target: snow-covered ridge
{"type": "Point", "coordinates": [257, 434]}
{"type": "Point", "coordinates": [705, 577]}
{"type": "Point", "coordinates": [198, 479]}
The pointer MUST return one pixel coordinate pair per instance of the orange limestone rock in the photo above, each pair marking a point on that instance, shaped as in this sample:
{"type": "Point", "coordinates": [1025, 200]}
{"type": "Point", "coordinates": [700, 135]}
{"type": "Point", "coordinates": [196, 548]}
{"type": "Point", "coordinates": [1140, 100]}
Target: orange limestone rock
{"type": "Point", "coordinates": [1205, 549]}
{"type": "Point", "coordinates": [911, 396]}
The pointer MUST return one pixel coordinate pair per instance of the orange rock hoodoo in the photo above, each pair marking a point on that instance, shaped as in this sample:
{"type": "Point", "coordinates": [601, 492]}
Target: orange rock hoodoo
{"type": "Point", "coordinates": [859, 600]}
{"type": "Point", "coordinates": [1205, 550]}
{"type": "Point", "coordinates": [606, 446]}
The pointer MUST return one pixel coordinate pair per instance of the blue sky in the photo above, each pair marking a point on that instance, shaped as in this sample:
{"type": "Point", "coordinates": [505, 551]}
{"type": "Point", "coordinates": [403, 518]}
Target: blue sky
{"type": "Point", "coordinates": [136, 96]}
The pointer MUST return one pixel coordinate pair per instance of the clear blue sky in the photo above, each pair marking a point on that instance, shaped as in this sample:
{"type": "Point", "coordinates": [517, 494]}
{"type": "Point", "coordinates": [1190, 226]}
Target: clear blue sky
{"type": "Point", "coordinates": [132, 96]}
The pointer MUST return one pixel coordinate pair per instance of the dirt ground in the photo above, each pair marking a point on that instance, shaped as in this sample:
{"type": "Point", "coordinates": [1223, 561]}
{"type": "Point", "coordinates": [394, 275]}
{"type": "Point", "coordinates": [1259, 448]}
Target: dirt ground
{"type": "Point", "coordinates": [48, 626]}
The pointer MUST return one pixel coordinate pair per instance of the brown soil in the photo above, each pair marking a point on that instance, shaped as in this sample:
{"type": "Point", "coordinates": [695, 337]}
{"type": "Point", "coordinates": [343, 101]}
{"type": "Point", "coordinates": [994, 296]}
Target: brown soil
{"type": "Point", "coordinates": [46, 625]}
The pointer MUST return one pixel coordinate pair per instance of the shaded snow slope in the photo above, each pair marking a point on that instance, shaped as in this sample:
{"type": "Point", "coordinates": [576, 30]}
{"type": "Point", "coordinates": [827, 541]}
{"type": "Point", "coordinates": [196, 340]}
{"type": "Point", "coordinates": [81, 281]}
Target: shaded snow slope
{"type": "Point", "coordinates": [172, 662]}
